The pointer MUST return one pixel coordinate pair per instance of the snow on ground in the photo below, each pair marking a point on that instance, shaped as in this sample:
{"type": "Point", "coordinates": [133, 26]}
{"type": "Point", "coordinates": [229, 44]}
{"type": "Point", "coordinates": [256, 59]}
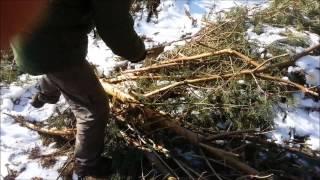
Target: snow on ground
{"type": "Point", "coordinates": [300, 118]}
{"type": "Point", "coordinates": [17, 142]}
{"type": "Point", "coordinates": [172, 24]}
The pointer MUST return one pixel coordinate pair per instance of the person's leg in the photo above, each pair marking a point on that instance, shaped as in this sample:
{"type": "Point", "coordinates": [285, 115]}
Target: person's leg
{"type": "Point", "coordinates": [48, 93]}
{"type": "Point", "coordinates": [89, 103]}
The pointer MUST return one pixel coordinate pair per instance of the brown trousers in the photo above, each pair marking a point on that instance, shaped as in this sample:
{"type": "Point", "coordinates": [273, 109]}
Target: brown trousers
{"type": "Point", "coordinates": [89, 103]}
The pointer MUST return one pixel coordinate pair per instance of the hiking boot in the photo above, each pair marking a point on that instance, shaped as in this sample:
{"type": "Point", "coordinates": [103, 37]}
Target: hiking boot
{"type": "Point", "coordinates": [36, 102]}
{"type": "Point", "coordinates": [39, 99]}
{"type": "Point", "coordinates": [103, 169]}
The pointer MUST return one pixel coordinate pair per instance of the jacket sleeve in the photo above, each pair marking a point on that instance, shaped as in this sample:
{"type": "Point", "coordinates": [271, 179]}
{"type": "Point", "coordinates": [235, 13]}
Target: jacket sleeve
{"type": "Point", "coordinates": [115, 26]}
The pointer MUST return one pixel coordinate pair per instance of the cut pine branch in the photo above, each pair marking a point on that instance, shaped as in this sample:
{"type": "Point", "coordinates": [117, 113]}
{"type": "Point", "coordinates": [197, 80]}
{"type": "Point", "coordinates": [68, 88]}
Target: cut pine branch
{"type": "Point", "coordinates": [220, 135]}
{"type": "Point", "coordinates": [246, 59]}
{"type": "Point", "coordinates": [291, 61]}
{"type": "Point", "coordinates": [227, 76]}
{"type": "Point", "coordinates": [287, 82]}
{"type": "Point", "coordinates": [115, 92]}
{"type": "Point", "coordinates": [166, 122]}
{"type": "Point", "coordinates": [123, 78]}
{"type": "Point", "coordinates": [306, 52]}
{"type": "Point", "coordinates": [181, 60]}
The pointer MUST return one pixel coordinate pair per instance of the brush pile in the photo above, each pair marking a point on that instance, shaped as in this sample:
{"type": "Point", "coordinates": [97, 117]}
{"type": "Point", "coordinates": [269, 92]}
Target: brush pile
{"type": "Point", "coordinates": [208, 106]}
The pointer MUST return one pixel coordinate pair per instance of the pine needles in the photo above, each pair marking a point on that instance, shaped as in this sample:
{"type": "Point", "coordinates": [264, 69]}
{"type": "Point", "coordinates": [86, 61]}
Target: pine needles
{"type": "Point", "coordinates": [301, 14]}
{"type": "Point", "coordinates": [216, 93]}
{"type": "Point", "coordinates": [239, 101]}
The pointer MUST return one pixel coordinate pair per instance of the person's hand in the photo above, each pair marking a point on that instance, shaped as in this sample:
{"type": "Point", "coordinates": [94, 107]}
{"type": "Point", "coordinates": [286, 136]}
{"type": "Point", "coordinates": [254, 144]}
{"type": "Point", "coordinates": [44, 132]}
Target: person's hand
{"type": "Point", "coordinates": [18, 16]}
{"type": "Point", "coordinates": [151, 53]}
{"type": "Point", "coordinates": [155, 51]}
{"type": "Point", "coordinates": [140, 58]}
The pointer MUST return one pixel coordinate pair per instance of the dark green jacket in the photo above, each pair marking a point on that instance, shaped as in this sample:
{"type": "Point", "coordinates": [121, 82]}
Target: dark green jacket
{"type": "Point", "coordinates": [61, 39]}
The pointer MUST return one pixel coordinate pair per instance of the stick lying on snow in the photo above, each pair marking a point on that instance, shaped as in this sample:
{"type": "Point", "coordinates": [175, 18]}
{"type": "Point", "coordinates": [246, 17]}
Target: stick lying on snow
{"type": "Point", "coordinates": [65, 133]}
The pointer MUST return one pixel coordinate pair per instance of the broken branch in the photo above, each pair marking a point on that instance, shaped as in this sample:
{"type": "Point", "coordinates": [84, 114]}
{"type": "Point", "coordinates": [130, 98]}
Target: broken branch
{"type": "Point", "coordinates": [66, 133]}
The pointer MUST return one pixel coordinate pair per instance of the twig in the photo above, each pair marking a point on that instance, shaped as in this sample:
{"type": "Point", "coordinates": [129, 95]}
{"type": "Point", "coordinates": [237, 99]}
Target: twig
{"type": "Point", "coordinates": [221, 52]}
{"type": "Point", "coordinates": [231, 161]}
{"type": "Point", "coordinates": [259, 67]}
{"type": "Point", "coordinates": [182, 168]}
{"type": "Point", "coordinates": [197, 104]}
{"type": "Point", "coordinates": [289, 62]}
{"type": "Point", "coordinates": [150, 68]}
{"type": "Point", "coordinates": [239, 147]}
{"type": "Point", "coordinates": [166, 88]}
{"type": "Point", "coordinates": [142, 174]}
{"type": "Point", "coordinates": [293, 84]}
{"type": "Point", "coordinates": [70, 159]}
{"type": "Point", "coordinates": [191, 170]}
{"type": "Point", "coordinates": [178, 61]}
{"type": "Point", "coordinates": [115, 92]}
{"type": "Point", "coordinates": [215, 161]}
{"type": "Point", "coordinates": [273, 144]}
{"type": "Point", "coordinates": [226, 76]}
{"type": "Point", "coordinates": [58, 152]}
{"type": "Point", "coordinates": [268, 60]}
{"type": "Point", "coordinates": [220, 135]}
{"type": "Point", "coordinates": [255, 177]}
{"type": "Point", "coordinates": [205, 45]}
{"type": "Point", "coordinates": [209, 165]}
{"type": "Point", "coordinates": [259, 87]}
{"type": "Point", "coordinates": [154, 160]}
{"type": "Point", "coordinates": [306, 52]}
{"type": "Point", "coordinates": [186, 58]}
{"type": "Point", "coordinates": [120, 79]}
{"type": "Point", "coordinates": [244, 57]}
{"type": "Point", "coordinates": [180, 83]}
{"type": "Point", "coordinates": [164, 163]}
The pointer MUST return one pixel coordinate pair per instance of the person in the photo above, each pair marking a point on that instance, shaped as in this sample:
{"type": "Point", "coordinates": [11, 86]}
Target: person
{"type": "Point", "coordinates": [56, 46]}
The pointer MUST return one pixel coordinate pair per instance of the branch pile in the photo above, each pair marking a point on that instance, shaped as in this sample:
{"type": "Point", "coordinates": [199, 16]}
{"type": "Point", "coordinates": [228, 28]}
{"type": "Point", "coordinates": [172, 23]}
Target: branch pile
{"type": "Point", "coordinates": [212, 101]}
